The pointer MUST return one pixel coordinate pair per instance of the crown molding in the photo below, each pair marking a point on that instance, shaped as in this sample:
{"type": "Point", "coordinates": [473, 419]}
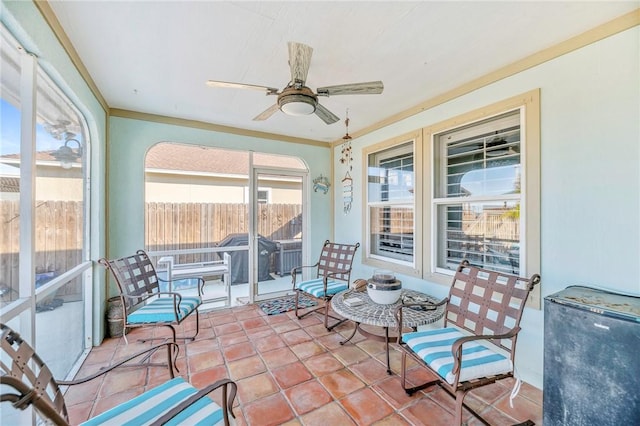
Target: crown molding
{"type": "Point", "coordinates": [598, 33]}
{"type": "Point", "coordinates": [134, 115]}
{"type": "Point", "coordinates": [615, 26]}
{"type": "Point", "coordinates": [52, 20]}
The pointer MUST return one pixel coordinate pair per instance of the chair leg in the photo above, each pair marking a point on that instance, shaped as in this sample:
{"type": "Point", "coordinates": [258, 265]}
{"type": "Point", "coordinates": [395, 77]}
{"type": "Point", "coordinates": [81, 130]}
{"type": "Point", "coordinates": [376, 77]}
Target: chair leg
{"type": "Point", "coordinates": [458, 410]}
{"type": "Point", "coordinates": [403, 375]}
{"type": "Point", "coordinates": [151, 339]}
{"type": "Point", "coordinates": [460, 394]}
{"type": "Point", "coordinates": [300, 316]}
{"type": "Point", "coordinates": [197, 326]}
{"type": "Point", "coordinates": [295, 303]}
{"type": "Point", "coordinates": [326, 314]}
{"type": "Point", "coordinates": [191, 338]}
{"type": "Point", "coordinates": [403, 378]}
{"type": "Point", "coordinates": [327, 303]}
{"type": "Point", "coordinates": [173, 332]}
{"type": "Point", "coordinates": [146, 360]}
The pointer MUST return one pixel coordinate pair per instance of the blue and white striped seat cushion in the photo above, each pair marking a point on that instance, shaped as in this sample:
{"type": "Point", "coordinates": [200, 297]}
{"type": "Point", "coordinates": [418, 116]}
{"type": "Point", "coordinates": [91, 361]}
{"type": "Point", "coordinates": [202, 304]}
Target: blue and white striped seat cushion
{"type": "Point", "coordinates": [148, 407]}
{"type": "Point", "coordinates": [161, 310]}
{"type": "Point", "coordinates": [315, 287]}
{"type": "Point", "coordinates": [434, 347]}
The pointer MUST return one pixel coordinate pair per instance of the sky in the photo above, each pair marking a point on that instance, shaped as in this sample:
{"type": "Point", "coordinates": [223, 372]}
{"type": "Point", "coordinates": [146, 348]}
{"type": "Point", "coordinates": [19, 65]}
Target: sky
{"type": "Point", "coordinates": [10, 132]}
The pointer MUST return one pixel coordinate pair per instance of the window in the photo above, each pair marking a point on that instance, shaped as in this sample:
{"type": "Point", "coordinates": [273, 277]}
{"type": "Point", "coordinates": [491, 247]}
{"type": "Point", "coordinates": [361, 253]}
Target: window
{"type": "Point", "coordinates": [390, 197]}
{"type": "Point", "coordinates": [264, 195]}
{"type": "Point", "coordinates": [478, 194]}
{"type": "Point", "coordinates": [45, 266]}
{"type": "Point", "coordinates": [483, 202]}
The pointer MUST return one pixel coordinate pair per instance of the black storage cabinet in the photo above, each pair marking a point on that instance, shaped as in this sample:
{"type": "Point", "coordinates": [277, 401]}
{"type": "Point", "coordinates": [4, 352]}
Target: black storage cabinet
{"type": "Point", "coordinates": [591, 358]}
{"type": "Point", "coordinates": [240, 259]}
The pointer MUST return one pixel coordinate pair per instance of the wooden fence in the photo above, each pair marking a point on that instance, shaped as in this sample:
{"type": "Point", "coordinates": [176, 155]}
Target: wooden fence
{"type": "Point", "coordinates": [59, 238]}
{"type": "Point", "coordinates": [174, 226]}
{"type": "Point", "coordinates": [169, 226]}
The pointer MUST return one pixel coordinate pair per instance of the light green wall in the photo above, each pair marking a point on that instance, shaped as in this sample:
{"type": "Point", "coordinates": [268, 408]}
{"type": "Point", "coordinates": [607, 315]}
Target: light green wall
{"type": "Point", "coordinates": [26, 23]}
{"type": "Point", "coordinates": [130, 139]}
{"type": "Point", "coordinates": [590, 167]}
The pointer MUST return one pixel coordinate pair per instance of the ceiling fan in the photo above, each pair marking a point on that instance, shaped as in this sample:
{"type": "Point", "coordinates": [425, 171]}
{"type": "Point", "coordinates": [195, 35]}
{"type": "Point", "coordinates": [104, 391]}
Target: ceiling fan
{"type": "Point", "coordinates": [298, 99]}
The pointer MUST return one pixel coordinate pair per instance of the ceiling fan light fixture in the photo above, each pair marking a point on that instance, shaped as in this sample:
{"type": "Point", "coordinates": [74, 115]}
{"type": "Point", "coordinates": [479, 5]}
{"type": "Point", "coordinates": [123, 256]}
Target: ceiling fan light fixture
{"type": "Point", "coordinates": [296, 99]}
{"type": "Point", "coordinates": [297, 104]}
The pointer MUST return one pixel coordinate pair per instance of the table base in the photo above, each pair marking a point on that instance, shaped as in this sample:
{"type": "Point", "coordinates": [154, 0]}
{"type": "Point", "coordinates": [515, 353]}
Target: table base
{"type": "Point", "coordinates": [386, 338]}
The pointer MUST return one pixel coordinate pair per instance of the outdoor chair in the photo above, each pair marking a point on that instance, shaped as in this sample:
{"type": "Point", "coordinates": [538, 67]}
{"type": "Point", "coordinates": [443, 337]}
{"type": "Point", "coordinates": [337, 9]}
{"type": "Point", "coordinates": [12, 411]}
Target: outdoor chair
{"type": "Point", "coordinates": [143, 303]}
{"type": "Point", "coordinates": [26, 380]}
{"type": "Point", "coordinates": [477, 345]}
{"type": "Point", "coordinates": [333, 272]}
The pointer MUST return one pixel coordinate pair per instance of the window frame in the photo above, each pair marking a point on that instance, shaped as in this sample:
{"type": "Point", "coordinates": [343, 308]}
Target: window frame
{"type": "Point", "coordinates": [33, 78]}
{"type": "Point", "coordinates": [468, 136]}
{"type": "Point", "coordinates": [412, 267]}
{"type": "Point", "coordinates": [529, 105]}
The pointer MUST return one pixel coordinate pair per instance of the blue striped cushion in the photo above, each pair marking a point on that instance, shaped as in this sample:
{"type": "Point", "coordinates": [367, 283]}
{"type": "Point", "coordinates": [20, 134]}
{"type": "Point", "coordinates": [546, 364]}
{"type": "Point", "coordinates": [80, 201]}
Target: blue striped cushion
{"type": "Point", "coordinates": [315, 287]}
{"type": "Point", "coordinates": [161, 310]}
{"type": "Point", "coordinates": [149, 406]}
{"type": "Point", "coordinates": [434, 347]}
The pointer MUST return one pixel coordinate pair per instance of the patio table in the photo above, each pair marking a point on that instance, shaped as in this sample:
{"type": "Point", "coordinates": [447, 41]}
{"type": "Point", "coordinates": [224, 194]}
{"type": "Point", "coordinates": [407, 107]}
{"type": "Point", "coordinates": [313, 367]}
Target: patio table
{"type": "Point", "coordinates": [375, 314]}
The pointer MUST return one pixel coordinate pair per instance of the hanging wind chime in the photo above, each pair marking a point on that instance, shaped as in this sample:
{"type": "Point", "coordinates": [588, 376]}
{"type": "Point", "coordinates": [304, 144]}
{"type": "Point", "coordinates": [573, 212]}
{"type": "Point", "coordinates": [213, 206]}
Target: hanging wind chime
{"type": "Point", "coordinates": [346, 158]}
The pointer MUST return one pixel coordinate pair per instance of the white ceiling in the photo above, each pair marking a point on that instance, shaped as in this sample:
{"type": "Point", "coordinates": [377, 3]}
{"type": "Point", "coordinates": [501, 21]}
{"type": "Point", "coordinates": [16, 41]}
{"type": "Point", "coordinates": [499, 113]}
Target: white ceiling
{"type": "Point", "coordinates": [155, 56]}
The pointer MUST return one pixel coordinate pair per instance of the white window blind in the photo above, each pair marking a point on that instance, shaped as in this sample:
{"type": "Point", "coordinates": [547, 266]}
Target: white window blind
{"type": "Point", "coordinates": [478, 195]}
{"type": "Point", "coordinates": [390, 202]}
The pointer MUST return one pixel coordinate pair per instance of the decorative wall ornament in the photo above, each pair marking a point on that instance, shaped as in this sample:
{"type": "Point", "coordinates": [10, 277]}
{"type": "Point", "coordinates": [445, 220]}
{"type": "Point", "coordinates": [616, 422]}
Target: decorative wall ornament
{"type": "Point", "coordinates": [347, 193]}
{"type": "Point", "coordinates": [321, 183]}
{"type": "Point", "coordinates": [346, 158]}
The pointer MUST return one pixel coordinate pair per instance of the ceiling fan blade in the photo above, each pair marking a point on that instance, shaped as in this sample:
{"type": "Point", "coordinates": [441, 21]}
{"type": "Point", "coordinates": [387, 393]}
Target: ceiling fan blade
{"type": "Point", "coordinates": [299, 60]}
{"type": "Point", "coordinates": [368, 88]}
{"type": "Point", "coordinates": [215, 83]}
{"type": "Point", "coordinates": [266, 113]}
{"type": "Point", "coordinates": [326, 115]}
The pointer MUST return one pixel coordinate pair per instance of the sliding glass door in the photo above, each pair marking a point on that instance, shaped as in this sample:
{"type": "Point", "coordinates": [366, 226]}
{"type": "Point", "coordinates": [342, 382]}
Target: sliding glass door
{"type": "Point", "coordinates": [278, 219]}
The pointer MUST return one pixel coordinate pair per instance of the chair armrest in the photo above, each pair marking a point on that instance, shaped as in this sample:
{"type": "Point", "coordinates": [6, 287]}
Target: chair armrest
{"type": "Point", "coordinates": [142, 296]}
{"type": "Point", "coordinates": [145, 296]}
{"type": "Point", "coordinates": [170, 293]}
{"type": "Point", "coordinates": [456, 347]}
{"type": "Point", "coordinates": [429, 306]}
{"type": "Point", "coordinates": [299, 268]}
{"type": "Point", "coordinates": [177, 299]}
{"type": "Point", "coordinates": [171, 348]}
{"type": "Point", "coordinates": [26, 395]}
{"type": "Point", "coordinates": [228, 396]}
{"type": "Point", "coordinates": [200, 286]}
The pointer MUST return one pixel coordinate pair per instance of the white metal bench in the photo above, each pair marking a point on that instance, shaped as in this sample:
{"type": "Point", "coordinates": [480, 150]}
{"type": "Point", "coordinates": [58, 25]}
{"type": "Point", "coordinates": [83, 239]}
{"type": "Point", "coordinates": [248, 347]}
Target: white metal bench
{"type": "Point", "coordinates": [178, 271]}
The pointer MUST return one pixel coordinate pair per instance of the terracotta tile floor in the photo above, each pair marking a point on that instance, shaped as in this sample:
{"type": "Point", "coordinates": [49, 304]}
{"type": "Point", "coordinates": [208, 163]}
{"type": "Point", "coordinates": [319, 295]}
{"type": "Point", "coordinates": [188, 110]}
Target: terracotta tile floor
{"type": "Point", "coordinates": [293, 372]}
